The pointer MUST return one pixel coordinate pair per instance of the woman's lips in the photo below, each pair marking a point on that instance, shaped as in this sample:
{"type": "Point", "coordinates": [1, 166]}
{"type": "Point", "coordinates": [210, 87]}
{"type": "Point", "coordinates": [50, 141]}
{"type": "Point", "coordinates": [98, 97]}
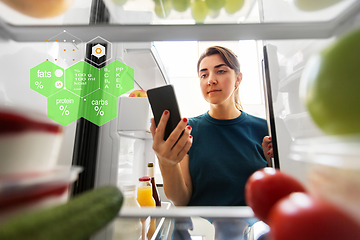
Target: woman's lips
{"type": "Point", "coordinates": [213, 91]}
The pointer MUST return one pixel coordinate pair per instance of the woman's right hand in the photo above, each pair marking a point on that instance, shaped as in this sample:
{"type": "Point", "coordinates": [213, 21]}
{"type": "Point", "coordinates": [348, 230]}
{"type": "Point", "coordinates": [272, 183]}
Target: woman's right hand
{"type": "Point", "coordinates": [171, 151]}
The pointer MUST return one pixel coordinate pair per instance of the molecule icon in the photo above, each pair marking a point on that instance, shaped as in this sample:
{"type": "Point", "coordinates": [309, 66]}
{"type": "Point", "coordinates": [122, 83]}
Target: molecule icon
{"type": "Point", "coordinates": [98, 50]}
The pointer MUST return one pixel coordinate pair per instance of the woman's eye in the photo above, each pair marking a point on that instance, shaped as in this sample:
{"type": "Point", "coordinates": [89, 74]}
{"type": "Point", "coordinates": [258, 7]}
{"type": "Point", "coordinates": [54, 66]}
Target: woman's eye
{"type": "Point", "coordinates": [203, 76]}
{"type": "Point", "coordinates": [221, 71]}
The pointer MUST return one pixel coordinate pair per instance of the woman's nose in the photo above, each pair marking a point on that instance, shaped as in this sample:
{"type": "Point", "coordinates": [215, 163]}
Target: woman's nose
{"type": "Point", "coordinates": [211, 80]}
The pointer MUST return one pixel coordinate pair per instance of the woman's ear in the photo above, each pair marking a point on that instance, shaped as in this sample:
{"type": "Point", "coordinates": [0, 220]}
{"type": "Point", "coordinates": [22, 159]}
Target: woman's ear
{"type": "Point", "coordinates": [238, 80]}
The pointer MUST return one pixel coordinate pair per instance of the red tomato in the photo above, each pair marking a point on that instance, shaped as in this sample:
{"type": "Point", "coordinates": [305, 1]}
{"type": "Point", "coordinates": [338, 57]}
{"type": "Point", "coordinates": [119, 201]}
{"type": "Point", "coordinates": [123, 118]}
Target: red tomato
{"type": "Point", "coordinates": [300, 216]}
{"type": "Point", "coordinates": [265, 187]}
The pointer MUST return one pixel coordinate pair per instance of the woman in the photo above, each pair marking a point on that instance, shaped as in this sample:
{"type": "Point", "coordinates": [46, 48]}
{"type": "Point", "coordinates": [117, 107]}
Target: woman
{"type": "Point", "coordinates": [220, 149]}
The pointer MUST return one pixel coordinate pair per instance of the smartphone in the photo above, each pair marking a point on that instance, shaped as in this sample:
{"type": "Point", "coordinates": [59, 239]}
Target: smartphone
{"type": "Point", "coordinates": [161, 99]}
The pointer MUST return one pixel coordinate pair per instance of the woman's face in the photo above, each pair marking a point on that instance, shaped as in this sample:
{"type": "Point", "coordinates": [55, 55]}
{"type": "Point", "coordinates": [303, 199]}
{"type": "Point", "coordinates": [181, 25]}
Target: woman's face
{"type": "Point", "coordinates": [217, 80]}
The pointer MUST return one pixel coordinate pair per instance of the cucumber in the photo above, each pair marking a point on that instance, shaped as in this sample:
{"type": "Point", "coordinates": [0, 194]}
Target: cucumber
{"type": "Point", "coordinates": [77, 219]}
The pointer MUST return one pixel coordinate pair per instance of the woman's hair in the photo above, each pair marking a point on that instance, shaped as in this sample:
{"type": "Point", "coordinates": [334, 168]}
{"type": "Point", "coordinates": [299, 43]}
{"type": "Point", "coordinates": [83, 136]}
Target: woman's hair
{"type": "Point", "coordinates": [230, 60]}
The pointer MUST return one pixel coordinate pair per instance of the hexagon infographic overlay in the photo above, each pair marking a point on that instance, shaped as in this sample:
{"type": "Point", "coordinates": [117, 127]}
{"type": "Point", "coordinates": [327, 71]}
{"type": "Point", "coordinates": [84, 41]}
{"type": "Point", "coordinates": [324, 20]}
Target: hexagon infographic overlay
{"type": "Point", "coordinates": [64, 107]}
{"type": "Point", "coordinates": [82, 78]}
{"type": "Point", "coordinates": [99, 107]}
{"type": "Point", "coordinates": [82, 90]}
{"type": "Point", "coordinates": [116, 78]}
{"type": "Point", "coordinates": [46, 78]}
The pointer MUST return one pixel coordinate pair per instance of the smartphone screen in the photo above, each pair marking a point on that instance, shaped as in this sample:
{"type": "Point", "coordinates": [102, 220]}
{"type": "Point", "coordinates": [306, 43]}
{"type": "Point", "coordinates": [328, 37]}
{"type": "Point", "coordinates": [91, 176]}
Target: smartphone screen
{"type": "Point", "coordinates": [161, 99]}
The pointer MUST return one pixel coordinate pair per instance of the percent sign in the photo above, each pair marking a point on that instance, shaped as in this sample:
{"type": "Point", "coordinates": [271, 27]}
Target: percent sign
{"type": "Point", "coordinates": [38, 85]}
{"type": "Point", "coordinates": [64, 111]}
{"type": "Point", "coordinates": [98, 111]}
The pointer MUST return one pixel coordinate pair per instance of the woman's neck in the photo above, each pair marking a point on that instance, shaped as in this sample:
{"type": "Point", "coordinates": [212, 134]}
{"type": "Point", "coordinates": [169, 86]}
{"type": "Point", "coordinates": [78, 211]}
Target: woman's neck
{"type": "Point", "coordinates": [221, 112]}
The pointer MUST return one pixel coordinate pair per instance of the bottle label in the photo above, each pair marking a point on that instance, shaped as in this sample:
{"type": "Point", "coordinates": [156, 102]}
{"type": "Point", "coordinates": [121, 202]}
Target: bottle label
{"type": "Point", "coordinates": [150, 172]}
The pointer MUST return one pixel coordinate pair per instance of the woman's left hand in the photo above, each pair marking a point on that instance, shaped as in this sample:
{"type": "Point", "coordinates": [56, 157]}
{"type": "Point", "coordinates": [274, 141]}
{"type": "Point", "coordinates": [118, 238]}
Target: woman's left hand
{"type": "Point", "coordinates": [268, 149]}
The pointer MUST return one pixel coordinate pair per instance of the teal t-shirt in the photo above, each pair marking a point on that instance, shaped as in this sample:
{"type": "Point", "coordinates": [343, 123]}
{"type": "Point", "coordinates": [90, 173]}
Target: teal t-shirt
{"type": "Point", "coordinates": [223, 155]}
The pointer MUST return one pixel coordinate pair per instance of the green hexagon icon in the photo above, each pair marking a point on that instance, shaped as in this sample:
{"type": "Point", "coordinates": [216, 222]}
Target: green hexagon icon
{"type": "Point", "coordinates": [99, 107]}
{"type": "Point", "coordinates": [47, 78]}
{"type": "Point", "coordinates": [64, 107]}
{"type": "Point", "coordinates": [116, 78]}
{"type": "Point", "coordinates": [82, 78]}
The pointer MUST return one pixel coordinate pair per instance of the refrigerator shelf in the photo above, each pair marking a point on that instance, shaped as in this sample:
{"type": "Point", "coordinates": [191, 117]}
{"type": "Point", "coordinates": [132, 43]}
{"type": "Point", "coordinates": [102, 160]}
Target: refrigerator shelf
{"type": "Point", "coordinates": [263, 29]}
{"type": "Point", "coordinates": [143, 12]}
{"type": "Point", "coordinates": [176, 212]}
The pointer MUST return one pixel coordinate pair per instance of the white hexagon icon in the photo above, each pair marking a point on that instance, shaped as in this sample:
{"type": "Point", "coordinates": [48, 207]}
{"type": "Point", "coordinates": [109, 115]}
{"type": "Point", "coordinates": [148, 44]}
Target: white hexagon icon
{"type": "Point", "coordinates": [98, 50]}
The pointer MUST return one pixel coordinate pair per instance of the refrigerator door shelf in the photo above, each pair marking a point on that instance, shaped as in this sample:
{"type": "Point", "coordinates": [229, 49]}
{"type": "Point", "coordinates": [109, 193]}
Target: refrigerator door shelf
{"type": "Point", "coordinates": [134, 114]}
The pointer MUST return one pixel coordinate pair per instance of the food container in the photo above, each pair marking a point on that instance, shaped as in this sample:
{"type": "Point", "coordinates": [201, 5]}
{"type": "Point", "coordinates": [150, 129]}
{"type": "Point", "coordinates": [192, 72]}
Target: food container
{"type": "Point", "coordinates": [29, 141]}
{"type": "Point", "coordinates": [333, 169]}
{"type": "Point", "coordinates": [38, 190]}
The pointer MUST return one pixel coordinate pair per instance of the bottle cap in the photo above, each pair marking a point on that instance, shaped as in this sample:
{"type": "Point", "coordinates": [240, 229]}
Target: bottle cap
{"type": "Point", "coordinates": [150, 164]}
{"type": "Point", "coordinates": [144, 179]}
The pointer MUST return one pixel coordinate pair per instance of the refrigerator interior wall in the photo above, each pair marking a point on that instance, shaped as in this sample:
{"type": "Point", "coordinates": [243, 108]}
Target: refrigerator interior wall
{"type": "Point", "coordinates": [131, 160]}
{"type": "Point", "coordinates": [125, 143]}
{"type": "Point", "coordinates": [287, 59]}
{"type": "Point", "coordinates": [123, 155]}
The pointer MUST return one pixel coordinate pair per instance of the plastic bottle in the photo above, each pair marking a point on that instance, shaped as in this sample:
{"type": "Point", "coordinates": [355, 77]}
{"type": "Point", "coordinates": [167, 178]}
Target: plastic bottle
{"type": "Point", "coordinates": [155, 192]}
{"type": "Point", "coordinates": [144, 193]}
{"type": "Point", "coordinates": [128, 228]}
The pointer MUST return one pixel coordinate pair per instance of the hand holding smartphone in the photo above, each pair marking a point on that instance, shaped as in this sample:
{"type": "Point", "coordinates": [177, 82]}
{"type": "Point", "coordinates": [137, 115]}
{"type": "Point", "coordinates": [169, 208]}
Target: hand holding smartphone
{"type": "Point", "coordinates": [161, 99]}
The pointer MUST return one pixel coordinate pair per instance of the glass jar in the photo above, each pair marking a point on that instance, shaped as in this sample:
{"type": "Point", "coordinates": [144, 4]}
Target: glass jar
{"type": "Point", "coordinates": [144, 193]}
{"type": "Point", "coordinates": [128, 228]}
{"type": "Point", "coordinates": [129, 192]}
